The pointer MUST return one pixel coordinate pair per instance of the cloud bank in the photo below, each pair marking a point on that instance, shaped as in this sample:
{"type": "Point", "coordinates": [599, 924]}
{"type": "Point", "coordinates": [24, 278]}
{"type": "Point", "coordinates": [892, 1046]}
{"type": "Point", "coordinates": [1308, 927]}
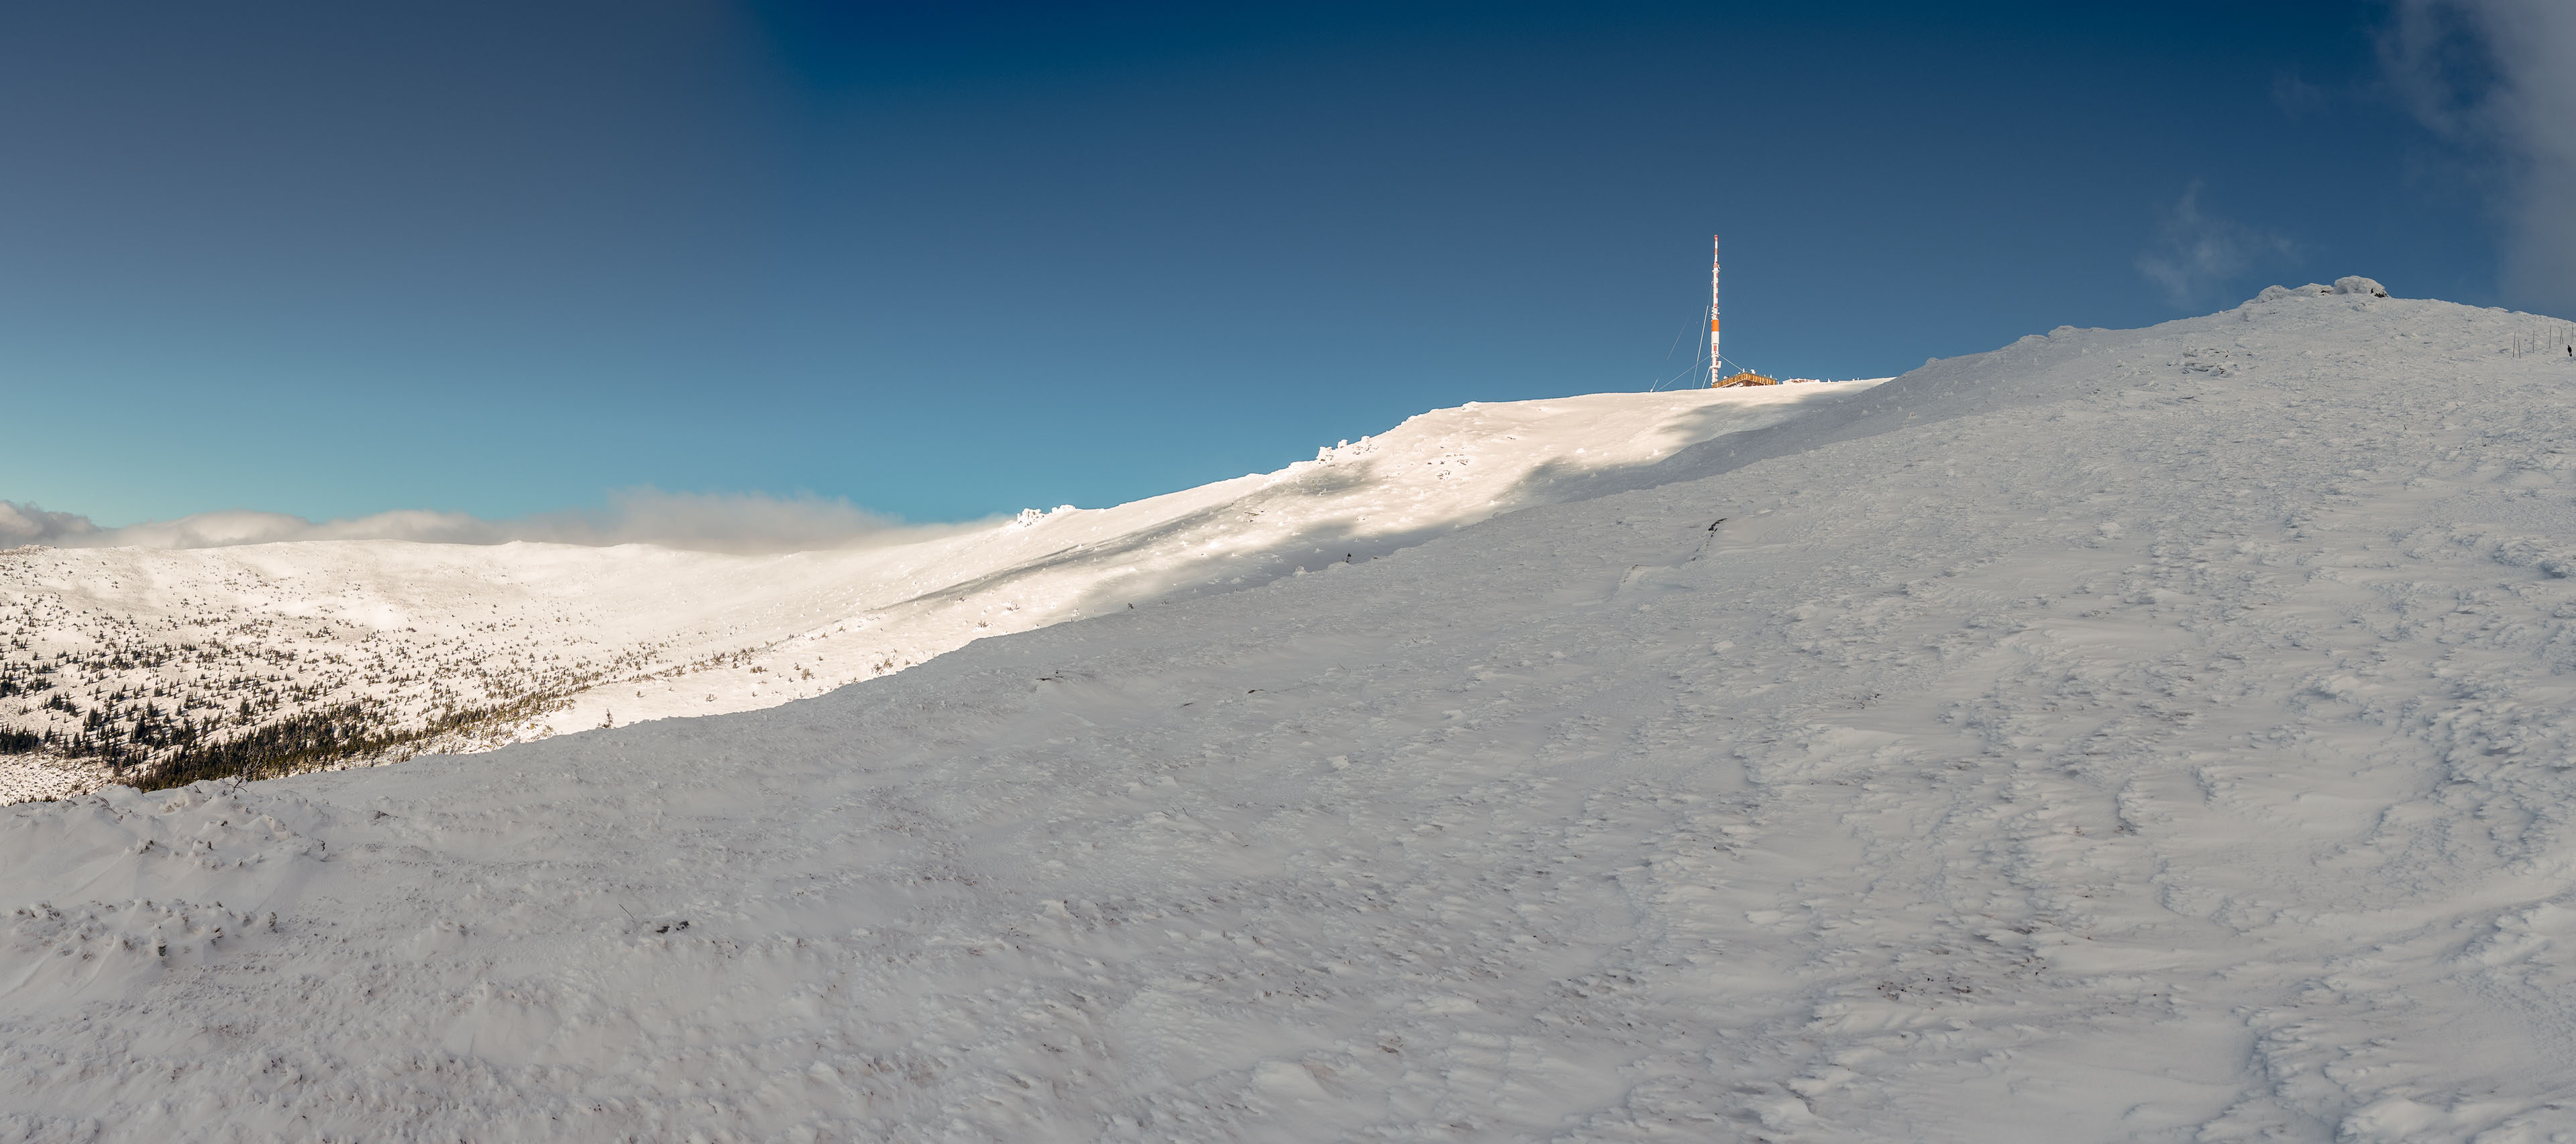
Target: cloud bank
{"type": "Point", "coordinates": [2498, 78]}
{"type": "Point", "coordinates": [702, 522]}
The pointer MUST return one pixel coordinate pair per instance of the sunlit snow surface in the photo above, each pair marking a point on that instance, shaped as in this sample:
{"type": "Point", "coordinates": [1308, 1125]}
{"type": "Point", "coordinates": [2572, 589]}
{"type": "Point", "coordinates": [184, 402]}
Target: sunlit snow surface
{"type": "Point", "coordinates": [2152, 735]}
{"type": "Point", "coordinates": [635, 632]}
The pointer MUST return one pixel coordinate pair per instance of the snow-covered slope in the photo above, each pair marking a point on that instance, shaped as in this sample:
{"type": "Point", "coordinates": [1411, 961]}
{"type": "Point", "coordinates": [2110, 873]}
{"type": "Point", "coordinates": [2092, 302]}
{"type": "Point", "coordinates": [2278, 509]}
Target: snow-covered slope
{"type": "Point", "coordinates": [2156, 735]}
{"type": "Point", "coordinates": [393, 647]}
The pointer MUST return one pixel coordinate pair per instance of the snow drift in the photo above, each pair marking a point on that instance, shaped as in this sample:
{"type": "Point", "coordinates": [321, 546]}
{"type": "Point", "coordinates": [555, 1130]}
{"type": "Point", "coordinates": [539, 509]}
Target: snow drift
{"type": "Point", "coordinates": [2157, 734]}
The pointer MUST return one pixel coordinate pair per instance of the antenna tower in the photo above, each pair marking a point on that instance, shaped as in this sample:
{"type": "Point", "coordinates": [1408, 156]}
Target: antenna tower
{"type": "Point", "coordinates": [1716, 372]}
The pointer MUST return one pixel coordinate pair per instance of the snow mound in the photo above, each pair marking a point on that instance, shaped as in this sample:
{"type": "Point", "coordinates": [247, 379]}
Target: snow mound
{"type": "Point", "coordinates": [2353, 285]}
{"type": "Point", "coordinates": [2127, 734]}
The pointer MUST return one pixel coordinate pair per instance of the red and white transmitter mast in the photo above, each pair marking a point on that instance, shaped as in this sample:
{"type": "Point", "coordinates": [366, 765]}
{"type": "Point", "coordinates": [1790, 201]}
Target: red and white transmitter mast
{"type": "Point", "coordinates": [1715, 359]}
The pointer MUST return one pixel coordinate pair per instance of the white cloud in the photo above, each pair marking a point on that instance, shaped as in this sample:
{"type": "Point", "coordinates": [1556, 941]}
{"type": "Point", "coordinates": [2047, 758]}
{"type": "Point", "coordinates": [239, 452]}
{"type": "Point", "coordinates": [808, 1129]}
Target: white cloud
{"type": "Point", "coordinates": [706, 522]}
{"type": "Point", "coordinates": [2196, 255]}
{"type": "Point", "coordinates": [2498, 77]}
{"type": "Point", "coordinates": [27, 524]}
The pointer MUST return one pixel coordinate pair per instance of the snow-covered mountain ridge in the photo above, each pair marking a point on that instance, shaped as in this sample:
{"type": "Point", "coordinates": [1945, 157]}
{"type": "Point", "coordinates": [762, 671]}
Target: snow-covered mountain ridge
{"type": "Point", "coordinates": [2125, 735]}
{"type": "Point", "coordinates": [190, 663]}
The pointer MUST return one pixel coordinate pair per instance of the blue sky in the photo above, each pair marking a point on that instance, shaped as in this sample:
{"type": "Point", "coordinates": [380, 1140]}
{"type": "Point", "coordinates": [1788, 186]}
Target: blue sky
{"type": "Point", "coordinates": [944, 262]}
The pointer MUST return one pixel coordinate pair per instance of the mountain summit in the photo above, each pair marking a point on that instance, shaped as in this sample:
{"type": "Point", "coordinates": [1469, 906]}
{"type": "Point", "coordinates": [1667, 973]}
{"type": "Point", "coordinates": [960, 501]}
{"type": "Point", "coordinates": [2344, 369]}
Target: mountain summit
{"type": "Point", "coordinates": [2149, 734]}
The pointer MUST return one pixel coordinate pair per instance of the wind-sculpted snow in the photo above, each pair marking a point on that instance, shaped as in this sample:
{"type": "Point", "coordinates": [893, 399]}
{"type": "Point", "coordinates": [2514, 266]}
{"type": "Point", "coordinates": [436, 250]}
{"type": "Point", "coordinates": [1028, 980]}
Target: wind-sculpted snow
{"type": "Point", "coordinates": [2144, 751]}
{"type": "Point", "coordinates": [156, 666]}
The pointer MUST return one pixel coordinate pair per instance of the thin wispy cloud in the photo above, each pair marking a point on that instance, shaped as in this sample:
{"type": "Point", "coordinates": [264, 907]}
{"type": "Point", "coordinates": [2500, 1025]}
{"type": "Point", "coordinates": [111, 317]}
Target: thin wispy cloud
{"type": "Point", "coordinates": [704, 522]}
{"type": "Point", "coordinates": [2296, 97]}
{"type": "Point", "coordinates": [2197, 254]}
{"type": "Point", "coordinates": [2497, 78]}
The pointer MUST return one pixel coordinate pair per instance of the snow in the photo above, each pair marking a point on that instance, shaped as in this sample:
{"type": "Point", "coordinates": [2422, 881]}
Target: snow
{"type": "Point", "coordinates": [2157, 735]}
{"type": "Point", "coordinates": [633, 633]}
